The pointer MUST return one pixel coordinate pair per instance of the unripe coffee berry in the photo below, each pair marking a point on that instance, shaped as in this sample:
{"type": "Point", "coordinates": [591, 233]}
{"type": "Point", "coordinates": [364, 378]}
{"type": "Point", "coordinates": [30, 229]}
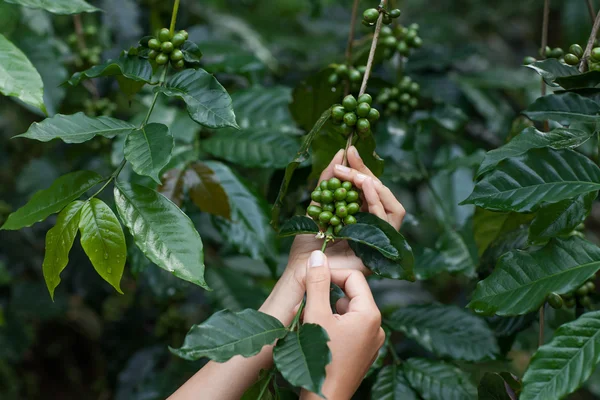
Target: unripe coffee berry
{"type": "Point", "coordinates": [166, 47]}
{"type": "Point", "coordinates": [362, 110]}
{"type": "Point", "coordinates": [178, 40]}
{"type": "Point", "coordinates": [164, 35]}
{"type": "Point", "coordinates": [334, 184]}
{"type": "Point", "coordinates": [340, 194]}
{"type": "Point", "coordinates": [154, 44]}
{"type": "Point", "coordinates": [349, 220]}
{"type": "Point", "coordinates": [349, 103]}
{"type": "Point", "coordinates": [329, 207]}
{"type": "Point", "coordinates": [351, 196]}
{"type": "Point", "coordinates": [325, 216]}
{"type": "Point", "coordinates": [326, 196]}
{"type": "Point", "coordinates": [350, 119]}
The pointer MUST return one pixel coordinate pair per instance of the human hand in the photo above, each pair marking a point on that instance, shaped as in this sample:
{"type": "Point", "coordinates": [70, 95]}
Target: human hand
{"type": "Point", "coordinates": [377, 199]}
{"type": "Point", "coordinates": [355, 333]}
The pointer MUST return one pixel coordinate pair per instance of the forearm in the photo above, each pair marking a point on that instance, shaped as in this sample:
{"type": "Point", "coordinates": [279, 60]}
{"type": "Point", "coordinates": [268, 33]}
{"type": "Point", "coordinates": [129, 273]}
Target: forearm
{"type": "Point", "coordinates": [230, 380]}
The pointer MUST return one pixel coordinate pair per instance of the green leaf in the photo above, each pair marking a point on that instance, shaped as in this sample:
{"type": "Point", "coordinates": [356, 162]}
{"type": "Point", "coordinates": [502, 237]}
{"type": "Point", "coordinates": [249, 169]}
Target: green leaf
{"type": "Point", "coordinates": [191, 53]}
{"type": "Point", "coordinates": [206, 191]}
{"type": "Point", "coordinates": [232, 290]}
{"type": "Point", "coordinates": [76, 128]}
{"type": "Point", "coordinates": [46, 202]}
{"type": "Point", "coordinates": [488, 226]}
{"type": "Point", "coordinates": [103, 241]}
{"type": "Point", "coordinates": [264, 107]}
{"type": "Point", "coordinates": [18, 77]}
{"type": "Point", "coordinates": [391, 384]}
{"type": "Point", "coordinates": [451, 254]}
{"type": "Point", "coordinates": [259, 389]}
{"type": "Point", "coordinates": [522, 280]}
{"type": "Point", "coordinates": [301, 156]}
{"type": "Point", "coordinates": [436, 380]}
{"type": "Point", "coordinates": [129, 66]}
{"type": "Point", "coordinates": [59, 241]}
{"type": "Point", "coordinates": [561, 366]}
{"type": "Point", "coordinates": [162, 231]}
{"type": "Point", "coordinates": [226, 334]}
{"type": "Point", "coordinates": [531, 138]}
{"type": "Point", "coordinates": [302, 356]}
{"type": "Point", "coordinates": [441, 330]}
{"type": "Point", "coordinates": [298, 225]}
{"type": "Point", "coordinates": [382, 266]}
{"type": "Point", "coordinates": [149, 149]}
{"type": "Point", "coordinates": [249, 229]}
{"type": "Point", "coordinates": [551, 68]}
{"type": "Point", "coordinates": [311, 97]}
{"type": "Point", "coordinates": [493, 387]}
{"type": "Point", "coordinates": [253, 147]}
{"type": "Point", "coordinates": [581, 81]}
{"type": "Point", "coordinates": [522, 183]}
{"type": "Point", "coordinates": [565, 108]}
{"type": "Point", "coordinates": [58, 6]}
{"type": "Point", "coordinates": [208, 103]}
{"type": "Point", "coordinates": [560, 218]}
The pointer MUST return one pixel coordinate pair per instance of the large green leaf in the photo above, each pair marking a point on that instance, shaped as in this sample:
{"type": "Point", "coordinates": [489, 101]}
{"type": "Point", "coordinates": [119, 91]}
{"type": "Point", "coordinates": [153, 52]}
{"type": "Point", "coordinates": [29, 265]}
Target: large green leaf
{"type": "Point", "coordinates": [206, 191]}
{"type": "Point", "coordinates": [436, 380]}
{"type": "Point", "coordinates": [531, 138]}
{"type": "Point", "coordinates": [162, 231]}
{"type": "Point", "coordinates": [451, 254]}
{"type": "Point", "coordinates": [541, 175]}
{"type": "Point", "coordinates": [564, 364]}
{"type": "Point", "coordinates": [149, 149]}
{"type": "Point", "coordinates": [76, 128]}
{"type": "Point", "coordinates": [488, 226]}
{"type": "Point", "coordinates": [259, 389]}
{"type": "Point", "coordinates": [208, 103]}
{"type": "Point", "coordinates": [252, 147]}
{"type": "Point", "coordinates": [302, 356]}
{"type": "Point", "coordinates": [560, 218]}
{"type": "Point", "coordinates": [441, 330]}
{"type": "Point", "coordinates": [301, 156]}
{"type": "Point", "coordinates": [551, 68]}
{"type": "Point", "coordinates": [383, 266]}
{"type": "Point", "coordinates": [18, 77]}
{"type": "Point", "coordinates": [58, 6]}
{"type": "Point", "coordinates": [311, 97]}
{"type": "Point", "coordinates": [391, 384]}
{"type": "Point", "coordinates": [581, 81]}
{"type": "Point", "coordinates": [493, 387]}
{"type": "Point", "coordinates": [59, 241]}
{"type": "Point", "coordinates": [522, 280]}
{"type": "Point", "coordinates": [103, 241]}
{"type": "Point", "coordinates": [263, 107]}
{"type": "Point", "coordinates": [298, 225]}
{"type": "Point", "coordinates": [46, 202]}
{"type": "Point", "coordinates": [566, 108]}
{"type": "Point", "coordinates": [248, 230]}
{"type": "Point", "coordinates": [127, 65]}
{"type": "Point", "coordinates": [226, 334]}
{"type": "Point", "coordinates": [232, 290]}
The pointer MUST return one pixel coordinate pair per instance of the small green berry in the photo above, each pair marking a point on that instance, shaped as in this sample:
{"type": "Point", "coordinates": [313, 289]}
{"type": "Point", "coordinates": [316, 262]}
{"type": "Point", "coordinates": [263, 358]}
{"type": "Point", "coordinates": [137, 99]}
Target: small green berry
{"type": "Point", "coordinates": [555, 300]}
{"type": "Point", "coordinates": [582, 290]}
{"type": "Point", "coordinates": [349, 220]}
{"type": "Point", "coordinates": [557, 52]}
{"type": "Point", "coordinates": [338, 112]}
{"type": "Point", "coordinates": [323, 185]}
{"type": "Point", "coordinates": [595, 55]}
{"type": "Point", "coordinates": [338, 229]}
{"type": "Point", "coordinates": [350, 119]}
{"type": "Point", "coordinates": [162, 59]}
{"type": "Point", "coordinates": [154, 44]}
{"type": "Point", "coordinates": [417, 42]}
{"type": "Point", "coordinates": [349, 103]}
{"type": "Point", "coordinates": [352, 196]}
{"type": "Point", "coordinates": [316, 196]}
{"type": "Point", "coordinates": [178, 40]}
{"type": "Point", "coordinates": [362, 110]}
{"type": "Point", "coordinates": [341, 70]}
{"type": "Point", "coordinates": [585, 301]}
{"type": "Point", "coordinates": [340, 203]}
{"type": "Point", "coordinates": [413, 102]}
{"type": "Point", "coordinates": [393, 106]}
{"type": "Point", "coordinates": [404, 98]}
{"type": "Point", "coordinates": [152, 54]}
{"type": "Point", "coordinates": [346, 129]}
{"type": "Point", "coordinates": [414, 88]}
{"type": "Point", "coordinates": [373, 115]}
{"type": "Point", "coordinates": [333, 79]}
{"type": "Point", "coordinates": [365, 98]}
{"type": "Point", "coordinates": [340, 194]}
{"type": "Point", "coordinates": [403, 48]}
{"type": "Point", "coordinates": [164, 35]}
{"type": "Point", "coordinates": [363, 125]}
{"type": "Point", "coordinates": [353, 208]}
{"type": "Point", "coordinates": [386, 31]}
{"type": "Point", "coordinates": [347, 185]}
{"type": "Point", "coordinates": [389, 41]}
{"type": "Point", "coordinates": [571, 59]}
{"type": "Point", "coordinates": [326, 196]}
{"type": "Point", "coordinates": [329, 207]}
{"type": "Point", "coordinates": [341, 212]}
{"type": "Point", "coordinates": [591, 287]}
{"type": "Point", "coordinates": [370, 15]}
{"type": "Point", "coordinates": [410, 35]}
{"type": "Point", "coordinates": [529, 60]}
{"type": "Point", "coordinates": [335, 220]}
{"type": "Point", "coordinates": [577, 50]}
{"type": "Point", "coordinates": [354, 75]}
{"type": "Point", "coordinates": [166, 47]}
{"type": "Point", "coordinates": [325, 216]}
{"type": "Point", "coordinates": [334, 184]}
{"type": "Point", "coordinates": [314, 211]}
{"type": "Point", "coordinates": [395, 13]}
{"type": "Point", "coordinates": [184, 34]}
{"type": "Point", "coordinates": [387, 19]}
{"type": "Point", "coordinates": [177, 55]}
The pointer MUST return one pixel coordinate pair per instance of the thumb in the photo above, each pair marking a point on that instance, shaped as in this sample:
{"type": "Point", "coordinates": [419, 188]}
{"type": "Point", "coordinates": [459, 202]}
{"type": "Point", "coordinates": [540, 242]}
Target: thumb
{"type": "Point", "coordinates": [318, 282]}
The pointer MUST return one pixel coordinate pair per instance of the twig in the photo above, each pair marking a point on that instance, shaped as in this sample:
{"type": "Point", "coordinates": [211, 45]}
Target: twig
{"type": "Point", "coordinates": [393, 352]}
{"type": "Point", "coordinates": [542, 315]}
{"type": "Point", "coordinates": [590, 43]}
{"type": "Point", "coordinates": [363, 86]}
{"type": "Point", "coordinates": [174, 17]}
{"type": "Point", "coordinates": [591, 10]}
{"type": "Point", "coordinates": [350, 42]}
{"type": "Point", "coordinates": [79, 31]}
{"type": "Point", "coordinates": [543, 49]}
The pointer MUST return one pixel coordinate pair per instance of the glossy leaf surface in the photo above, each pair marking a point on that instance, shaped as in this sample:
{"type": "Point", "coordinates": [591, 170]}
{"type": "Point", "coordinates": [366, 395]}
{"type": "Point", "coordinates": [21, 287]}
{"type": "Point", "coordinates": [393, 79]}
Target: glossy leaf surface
{"type": "Point", "coordinates": [436, 380]}
{"type": "Point", "coordinates": [565, 108]}
{"type": "Point", "coordinates": [206, 190]}
{"type": "Point", "coordinates": [149, 149]}
{"type": "Point", "coordinates": [129, 66]}
{"type": "Point", "coordinates": [58, 6]}
{"type": "Point", "coordinates": [391, 384]}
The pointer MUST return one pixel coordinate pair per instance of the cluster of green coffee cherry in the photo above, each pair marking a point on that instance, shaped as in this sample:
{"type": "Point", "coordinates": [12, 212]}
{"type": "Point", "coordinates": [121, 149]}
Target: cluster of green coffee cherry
{"type": "Point", "coordinates": [337, 203]}
{"type": "Point", "coordinates": [355, 114]}
{"type": "Point", "coordinates": [400, 39]}
{"type": "Point", "coordinates": [96, 107]}
{"type": "Point", "coordinates": [167, 47]}
{"type": "Point", "coordinates": [89, 55]}
{"type": "Point", "coordinates": [569, 300]}
{"type": "Point", "coordinates": [370, 16]}
{"type": "Point", "coordinates": [403, 98]}
{"type": "Point", "coordinates": [573, 57]}
{"type": "Point", "coordinates": [344, 72]}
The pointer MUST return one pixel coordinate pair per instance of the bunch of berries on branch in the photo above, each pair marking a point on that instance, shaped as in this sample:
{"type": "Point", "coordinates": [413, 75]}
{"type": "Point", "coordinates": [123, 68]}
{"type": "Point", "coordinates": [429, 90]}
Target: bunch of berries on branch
{"type": "Point", "coordinates": [400, 39]}
{"type": "Point", "coordinates": [355, 114]}
{"type": "Point", "coordinates": [371, 15]}
{"type": "Point", "coordinates": [336, 203]}
{"type": "Point", "coordinates": [403, 98]}
{"type": "Point", "coordinates": [348, 73]}
{"type": "Point", "coordinates": [166, 48]}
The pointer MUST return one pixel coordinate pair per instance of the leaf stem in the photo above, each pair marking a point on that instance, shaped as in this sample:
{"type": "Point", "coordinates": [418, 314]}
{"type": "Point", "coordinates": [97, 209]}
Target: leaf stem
{"type": "Point", "coordinates": [590, 43]}
{"type": "Point", "coordinates": [266, 384]}
{"type": "Point", "coordinates": [363, 86]}
{"type": "Point", "coordinates": [298, 314]}
{"type": "Point", "coordinates": [542, 317]}
{"type": "Point", "coordinates": [174, 17]}
{"type": "Point", "coordinates": [112, 177]}
{"type": "Point", "coordinates": [351, 42]}
{"type": "Point", "coordinates": [397, 360]}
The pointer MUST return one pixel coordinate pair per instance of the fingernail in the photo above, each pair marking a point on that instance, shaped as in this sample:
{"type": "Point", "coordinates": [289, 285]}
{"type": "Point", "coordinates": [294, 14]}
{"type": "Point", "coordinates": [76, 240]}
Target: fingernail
{"type": "Point", "coordinates": [316, 259]}
{"type": "Point", "coordinates": [355, 152]}
{"type": "Point", "coordinates": [342, 168]}
{"type": "Point", "coordinates": [360, 178]}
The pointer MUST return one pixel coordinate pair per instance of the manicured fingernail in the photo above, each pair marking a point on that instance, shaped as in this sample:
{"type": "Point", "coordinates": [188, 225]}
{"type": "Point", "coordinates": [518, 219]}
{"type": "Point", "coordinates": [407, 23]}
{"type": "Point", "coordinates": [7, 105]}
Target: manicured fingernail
{"type": "Point", "coordinates": [342, 168]}
{"type": "Point", "coordinates": [360, 178]}
{"type": "Point", "coordinates": [355, 152]}
{"type": "Point", "coordinates": [316, 259]}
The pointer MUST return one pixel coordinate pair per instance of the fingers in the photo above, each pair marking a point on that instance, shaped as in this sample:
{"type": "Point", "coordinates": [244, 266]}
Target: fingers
{"type": "Point", "coordinates": [341, 306]}
{"type": "Point", "coordinates": [372, 200]}
{"type": "Point", "coordinates": [394, 209]}
{"type": "Point", "coordinates": [318, 281]}
{"type": "Point", "coordinates": [357, 290]}
{"type": "Point", "coordinates": [358, 164]}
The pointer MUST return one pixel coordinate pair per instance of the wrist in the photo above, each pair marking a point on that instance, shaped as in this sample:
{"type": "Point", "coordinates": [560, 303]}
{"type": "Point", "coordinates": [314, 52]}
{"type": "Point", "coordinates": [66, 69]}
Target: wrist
{"type": "Point", "coordinates": [284, 298]}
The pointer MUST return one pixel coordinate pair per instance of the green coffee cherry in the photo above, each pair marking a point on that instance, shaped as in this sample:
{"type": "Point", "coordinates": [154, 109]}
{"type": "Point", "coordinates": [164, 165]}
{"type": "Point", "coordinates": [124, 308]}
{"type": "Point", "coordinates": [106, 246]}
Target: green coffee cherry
{"type": "Point", "coordinates": [184, 34]}
{"type": "Point", "coordinates": [326, 196]}
{"type": "Point", "coordinates": [329, 207]}
{"type": "Point", "coordinates": [363, 125]}
{"type": "Point", "coordinates": [395, 13]}
{"type": "Point", "coordinates": [154, 44]}
{"type": "Point", "coordinates": [152, 54]}
{"type": "Point", "coordinates": [164, 35]}
{"type": "Point", "coordinates": [349, 103]}
{"type": "Point", "coordinates": [162, 59]}
{"type": "Point", "coordinates": [370, 15]}
{"type": "Point", "coordinates": [404, 98]}
{"type": "Point", "coordinates": [387, 19]}
{"type": "Point", "coordinates": [591, 286]}
{"type": "Point", "coordinates": [333, 209]}
{"type": "Point", "coordinates": [417, 42]}
{"type": "Point", "coordinates": [373, 115]}
{"type": "Point", "coordinates": [585, 301]}
{"type": "Point", "coordinates": [571, 59]}
{"type": "Point", "coordinates": [338, 229]}
{"type": "Point", "coordinates": [349, 220]}
{"type": "Point", "coordinates": [362, 110]}
{"type": "Point", "coordinates": [335, 220]}
{"type": "Point", "coordinates": [352, 208]}
{"type": "Point", "coordinates": [333, 79]}
{"type": "Point", "coordinates": [323, 185]}
{"type": "Point", "coordinates": [365, 98]}
{"type": "Point", "coordinates": [346, 129]}
{"type": "Point", "coordinates": [340, 194]}
{"type": "Point", "coordinates": [555, 300]}
{"type": "Point", "coordinates": [178, 40]}
{"type": "Point", "coordinates": [341, 70]}
{"type": "Point", "coordinates": [166, 47]}
{"type": "Point", "coordinates": [576, 50]}
{"type": "Point", "coordinates": [340, 203]}
{"type": "Point", "coordinates": [352, 196]}
{"type": "Point", "coordinates": [325, 216]}
{"type": "Point", "coordinates": [354, 75]}
{"type": "Point", "coordinates": [595, 54]}
{"type": "Point", "coordinates": [341, 212]}
{"type": "Point", "coordinates": [316, 196]}
{"type": "Point", "coordinates": [314, 211]}
{"type": "Point", "coordinates": [176, 55]}
{"type": "Point", "coordinates": [529, 60]}
{"type": "Point", "coordinates": [338, 112]}
{"type": "Point", "coordinates": [334, 184]}
{"type": "Point", "coordinates": [582, 290]}
{"type": "Point", "coordinates": [347, 185]}
{"type": "Point", "coordinates": [350, 119]}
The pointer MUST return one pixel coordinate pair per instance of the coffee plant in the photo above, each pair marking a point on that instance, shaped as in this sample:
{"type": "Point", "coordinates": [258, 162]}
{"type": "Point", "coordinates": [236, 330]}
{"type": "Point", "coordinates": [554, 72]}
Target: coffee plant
{"type": "Point", "coordinates": [182, 142]}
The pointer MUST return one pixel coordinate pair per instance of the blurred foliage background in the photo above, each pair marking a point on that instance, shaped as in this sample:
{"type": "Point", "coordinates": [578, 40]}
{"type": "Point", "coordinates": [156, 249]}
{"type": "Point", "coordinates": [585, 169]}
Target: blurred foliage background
{"type": "Point", "coordinates": [93, 343]}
